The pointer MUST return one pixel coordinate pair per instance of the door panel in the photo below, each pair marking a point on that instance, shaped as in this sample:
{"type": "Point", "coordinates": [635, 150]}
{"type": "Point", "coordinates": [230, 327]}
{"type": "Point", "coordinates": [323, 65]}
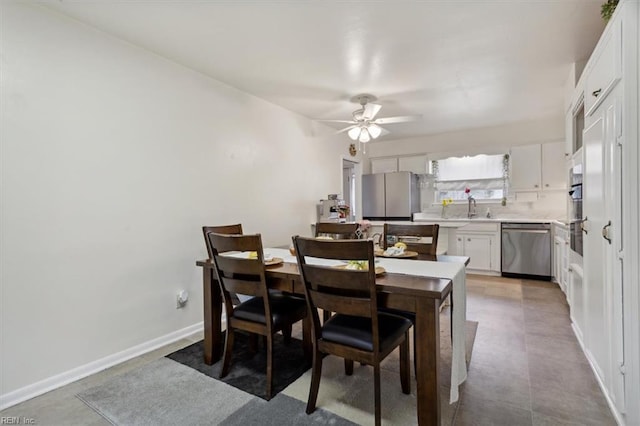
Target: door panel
{"type": "Point", "coordinates": [596, 334]}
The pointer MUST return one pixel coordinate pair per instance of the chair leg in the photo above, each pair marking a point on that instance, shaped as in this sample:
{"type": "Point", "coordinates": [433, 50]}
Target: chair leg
{"type": "Point", "coordinates": [405, 373]}
{"type": "Point", "coordinates": [376, 384]}
{"type": "Point", "coordinates": [316, 373]}
{"type": "Point", "coordinates": [269, 366]}
{"type": "Point", "coordinates": [348, 367]}
{"type": "Point", "coordinates": [228, 348]}
{"type": "Point", "coordinates": [325, 316]}
{"type": "Point", "coordinates": [286, 333]}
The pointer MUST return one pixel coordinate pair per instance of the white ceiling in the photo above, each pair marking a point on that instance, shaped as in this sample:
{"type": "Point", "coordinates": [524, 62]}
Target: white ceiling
{"type": "Point", "coordinates": [461, 64]}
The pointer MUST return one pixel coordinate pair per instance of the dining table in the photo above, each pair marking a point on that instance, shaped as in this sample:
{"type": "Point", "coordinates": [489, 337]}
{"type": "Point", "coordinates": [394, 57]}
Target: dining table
{"type": "Point", "coordinates": [417, 286]}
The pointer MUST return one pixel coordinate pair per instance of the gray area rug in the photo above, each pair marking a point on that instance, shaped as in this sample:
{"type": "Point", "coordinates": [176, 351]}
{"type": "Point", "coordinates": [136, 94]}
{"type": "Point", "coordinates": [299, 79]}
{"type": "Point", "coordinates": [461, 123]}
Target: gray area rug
{"type": "Point", "coordinates": [249, 370]}
{"type": "Point", "coordinates": [165, 392]}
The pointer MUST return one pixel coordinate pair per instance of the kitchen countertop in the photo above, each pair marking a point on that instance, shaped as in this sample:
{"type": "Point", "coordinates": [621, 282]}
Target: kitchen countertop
{"type": "Point", "coordinates": [459, 222]}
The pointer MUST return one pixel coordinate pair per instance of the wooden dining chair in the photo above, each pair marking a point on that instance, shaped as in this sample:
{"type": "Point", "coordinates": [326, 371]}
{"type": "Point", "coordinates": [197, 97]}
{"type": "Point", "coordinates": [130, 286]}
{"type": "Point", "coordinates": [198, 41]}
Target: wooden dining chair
{"type": "Point", "coordinates": [358, 331]}
{"type": "Point", "coordinates": [427, 250]}
{"type": "Point", "coordinates": [341, 230]}
{"type": "Point", "coordinates": [346, 231]}
{"type": "Point", "coordinates": [266, 313]}
{"type": "Point", "coordinates": [222, 229]}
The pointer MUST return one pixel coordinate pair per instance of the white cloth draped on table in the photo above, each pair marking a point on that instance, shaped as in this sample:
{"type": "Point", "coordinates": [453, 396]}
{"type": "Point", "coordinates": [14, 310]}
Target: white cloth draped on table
{"type": "Point", "coordinates": [447, 270]}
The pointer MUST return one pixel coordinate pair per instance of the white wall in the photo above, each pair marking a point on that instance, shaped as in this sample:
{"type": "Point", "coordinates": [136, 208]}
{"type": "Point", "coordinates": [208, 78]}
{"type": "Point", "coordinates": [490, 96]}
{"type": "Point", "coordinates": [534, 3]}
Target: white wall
{"type": "Point", "coordinates": [112, 160]}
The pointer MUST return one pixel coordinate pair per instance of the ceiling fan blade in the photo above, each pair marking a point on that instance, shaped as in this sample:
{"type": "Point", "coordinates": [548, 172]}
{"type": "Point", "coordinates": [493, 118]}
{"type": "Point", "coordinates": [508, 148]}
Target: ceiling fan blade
{"type": "Point", "coordinates": [370, 111]}
{"type": "Point", "coordinates": [399, 119]}
{"type": "Point", "coordinates": [337, 121]}
{"type": "Point", "coordinates": [384, 132]}
{"type": "Point", "coordinates": [346, 129]}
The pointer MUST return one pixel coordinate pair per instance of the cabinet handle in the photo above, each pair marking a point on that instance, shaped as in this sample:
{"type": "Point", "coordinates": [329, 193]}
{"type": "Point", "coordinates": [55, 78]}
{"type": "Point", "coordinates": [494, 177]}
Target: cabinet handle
{"type": "Point", "coordinates": [596, 93]}
{"type": "Point", "coordinates": [535, 186]}
{"type": "Point", "coordinates": [468, 239]}
{"type": "Point", "coordinates": [546, 184]}
{"type": "Point", "coordinates": [582, 222]}
{"type": "Point", "coordinates": [605, 232]}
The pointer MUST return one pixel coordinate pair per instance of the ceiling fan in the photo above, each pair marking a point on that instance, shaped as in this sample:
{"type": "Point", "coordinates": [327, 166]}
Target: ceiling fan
{"type": "Point", "coordinates": [364, 125]}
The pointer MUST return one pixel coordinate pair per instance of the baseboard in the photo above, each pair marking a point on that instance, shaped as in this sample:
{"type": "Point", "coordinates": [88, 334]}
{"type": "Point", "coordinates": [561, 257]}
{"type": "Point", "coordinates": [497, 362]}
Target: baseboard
{"type": "Point", "coordinates": [603, 388]}
{"type": "Point", "coordinates": [483, 272]}
{"type": "Point", "coordinates": [617, 416]}
{"type": "Point", "coordinates": [30, 391]}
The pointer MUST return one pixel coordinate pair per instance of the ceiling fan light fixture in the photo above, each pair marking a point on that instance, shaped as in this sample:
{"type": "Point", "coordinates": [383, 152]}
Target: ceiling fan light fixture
{"type": "Point", "coordinates": [374, 130]}
{"type": "Point", "coordinates": [364, 135]}
{"type": "Point", "coordinates": [354, 133]}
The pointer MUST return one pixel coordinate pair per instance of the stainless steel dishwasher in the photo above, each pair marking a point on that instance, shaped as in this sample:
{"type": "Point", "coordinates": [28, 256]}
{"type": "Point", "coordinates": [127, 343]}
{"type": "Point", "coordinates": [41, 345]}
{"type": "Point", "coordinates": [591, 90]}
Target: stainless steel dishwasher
{"type": "Point", "coordinates": [526, 250]}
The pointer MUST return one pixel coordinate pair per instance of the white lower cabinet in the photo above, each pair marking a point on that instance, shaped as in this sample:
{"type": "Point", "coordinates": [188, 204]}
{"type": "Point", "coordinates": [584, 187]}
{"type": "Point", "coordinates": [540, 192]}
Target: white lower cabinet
{"type": "Point", "coordinates": [561, 257]}
{"type": "Point", "coordinates": [577, 300]}
{"type": "Point", "coordinates": [481, 243]}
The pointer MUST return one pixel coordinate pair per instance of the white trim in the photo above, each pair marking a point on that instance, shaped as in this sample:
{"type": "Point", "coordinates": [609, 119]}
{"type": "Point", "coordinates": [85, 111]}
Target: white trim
{"type": "Point", "coordinates": [59, 380]}
{"type": "Point", "coordinates": [603, 388]}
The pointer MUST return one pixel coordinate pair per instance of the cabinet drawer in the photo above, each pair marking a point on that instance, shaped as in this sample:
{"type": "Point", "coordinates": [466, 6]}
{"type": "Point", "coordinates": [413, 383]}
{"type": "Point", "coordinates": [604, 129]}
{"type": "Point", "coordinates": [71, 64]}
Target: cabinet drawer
{"type": "Point", "coordinates": [606, 70]}
{"type": "Point", "coordinates": [480, 227]}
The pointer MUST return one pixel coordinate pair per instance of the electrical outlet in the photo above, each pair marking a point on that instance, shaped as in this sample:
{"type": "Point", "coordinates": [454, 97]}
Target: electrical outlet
{"type": "Point", "coordinates": [181, 298]}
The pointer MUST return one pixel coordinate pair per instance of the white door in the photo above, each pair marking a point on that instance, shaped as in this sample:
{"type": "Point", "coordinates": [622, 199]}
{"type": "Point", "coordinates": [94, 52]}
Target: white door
{"type": "Point", "coordinates": [612, 241]}
{"type": "Point", "coordinates": [596, 335]}
{"type": "Point", "coordinates": [349, 187]}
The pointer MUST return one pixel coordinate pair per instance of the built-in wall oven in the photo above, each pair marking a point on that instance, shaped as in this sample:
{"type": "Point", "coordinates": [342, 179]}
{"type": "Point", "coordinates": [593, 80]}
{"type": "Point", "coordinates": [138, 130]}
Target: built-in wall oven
{"type": "Point", "coordinates": [576, 219]}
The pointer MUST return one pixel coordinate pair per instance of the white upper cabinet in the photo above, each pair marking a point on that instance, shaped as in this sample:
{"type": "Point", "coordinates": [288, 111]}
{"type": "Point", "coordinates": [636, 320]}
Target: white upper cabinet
{"type": "Point", "coordinates": [538, 167]}
{"type": "Point", "coordinates": [525, 168]}
{"type": "Point", "coordinates": [554, 168]}
{"type": "Point", "coordinates": [411, 163]}
{"type": "Point", "coordinates": [415, 163]}
{"type": "Point", "coordinates": [384, 165]}
{"type": "Point", "coordinates": [606, 69]}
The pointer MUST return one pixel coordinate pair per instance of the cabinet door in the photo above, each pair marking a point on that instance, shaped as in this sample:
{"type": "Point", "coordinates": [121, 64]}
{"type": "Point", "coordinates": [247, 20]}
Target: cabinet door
{"type": "Point", "coordinates": [577, 300]}
{"type": "Point", "coordinates": [554, 167]}
{"type": "Point", "coordinates": [525, 168]}
{"type": "Point", "coordinates": [415, 163]}
{"type": "Point", "coordinates": [478, 248]}
{"type": "Point", "coordinates": [557, 259]}
{"type": "Point", "coordinates": [384, 165]}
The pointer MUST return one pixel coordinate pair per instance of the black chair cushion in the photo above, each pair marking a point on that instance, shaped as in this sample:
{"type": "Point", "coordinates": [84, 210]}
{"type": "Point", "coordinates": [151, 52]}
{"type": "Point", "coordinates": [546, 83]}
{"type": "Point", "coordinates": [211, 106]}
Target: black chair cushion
{"type": "Point", "coordinates": [284, 310]}
{"type": "Point", "coordinates": [411, 316]}
{"type": "Point", "coordinates": [356, 331]}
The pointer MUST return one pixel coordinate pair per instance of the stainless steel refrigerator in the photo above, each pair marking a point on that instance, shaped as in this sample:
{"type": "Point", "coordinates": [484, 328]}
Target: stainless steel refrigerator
{"type": "Point", "coordinates": [390, 196]}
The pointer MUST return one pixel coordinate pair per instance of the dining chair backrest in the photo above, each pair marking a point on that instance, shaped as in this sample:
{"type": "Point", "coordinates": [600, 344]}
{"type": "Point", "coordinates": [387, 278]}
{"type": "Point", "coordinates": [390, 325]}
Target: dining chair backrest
{"type": "Point", "coordinates": [341, 230]}
{"type": "Point", "coordinates": [239, 274]}
{"type": "Point", "coordinates": [425, 250]}
{"type": "Point", "coordinates": [223, 229]}
{"type": "Point", "coordinates": [336, 289]}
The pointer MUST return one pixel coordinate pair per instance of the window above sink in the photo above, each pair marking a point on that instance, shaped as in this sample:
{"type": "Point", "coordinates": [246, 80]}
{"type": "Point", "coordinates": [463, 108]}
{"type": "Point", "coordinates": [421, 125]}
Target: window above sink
{"type": "Point", "coordinates": [483, 177]}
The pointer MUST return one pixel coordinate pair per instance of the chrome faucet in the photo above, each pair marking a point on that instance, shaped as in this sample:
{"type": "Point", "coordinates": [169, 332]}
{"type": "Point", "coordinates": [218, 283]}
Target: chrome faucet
{"type": "Point", "coordinates": [472, 211]}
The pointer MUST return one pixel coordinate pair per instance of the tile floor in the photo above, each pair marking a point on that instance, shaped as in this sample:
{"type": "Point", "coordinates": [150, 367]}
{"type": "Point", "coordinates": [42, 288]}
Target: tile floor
{"type": "Point", "coordinates": [527, 367]}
